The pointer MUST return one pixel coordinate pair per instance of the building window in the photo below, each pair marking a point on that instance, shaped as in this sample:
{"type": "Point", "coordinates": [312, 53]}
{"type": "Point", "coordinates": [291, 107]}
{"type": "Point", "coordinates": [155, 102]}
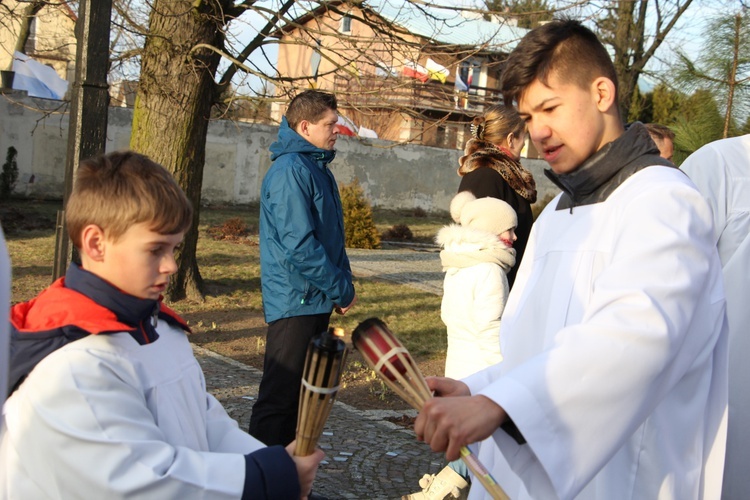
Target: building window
{"type": "Point", "coordinates": [346, 24]}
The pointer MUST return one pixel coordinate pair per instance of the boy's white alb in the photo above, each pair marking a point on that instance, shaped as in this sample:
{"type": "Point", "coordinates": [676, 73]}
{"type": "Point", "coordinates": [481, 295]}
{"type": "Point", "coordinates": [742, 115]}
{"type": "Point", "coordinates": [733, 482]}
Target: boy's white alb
{"type": "Point", "coordinates": [614, 352]}
{"type": "Point", "coordinates": [135, 418]}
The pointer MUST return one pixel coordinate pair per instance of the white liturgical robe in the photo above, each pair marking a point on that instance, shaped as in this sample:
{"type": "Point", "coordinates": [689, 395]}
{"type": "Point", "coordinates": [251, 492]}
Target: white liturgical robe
{"type": "Point", "coordinates": [614, 340]}
{"type": "Point", "coordinates": [721, 171]}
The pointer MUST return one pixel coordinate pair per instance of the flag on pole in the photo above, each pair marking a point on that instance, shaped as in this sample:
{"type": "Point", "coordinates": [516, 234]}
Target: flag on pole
{"type": "Point", "coordinates": [414, 70]}
{"type": "Point", "coordinates": [437, 71]}
{"type": "Point", "coordinates": [460, 84]}
{"type": "Point", "coordinates": [352, 68]}
{"type": "Point", "coordinates": [383, 70]}
{"type": "Point", "coordinates": [367, 132]}
{"type": "Point", "coordinates": [345, 126]}
{"type": "Point", "coordinates": [38, 79]}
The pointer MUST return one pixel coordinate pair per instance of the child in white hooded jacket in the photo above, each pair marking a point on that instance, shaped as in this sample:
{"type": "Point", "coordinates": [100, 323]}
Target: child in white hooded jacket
{"type": "Point", "coordinates": [476, 257]}
{"type": "Point", "coordinates": [477, 254]}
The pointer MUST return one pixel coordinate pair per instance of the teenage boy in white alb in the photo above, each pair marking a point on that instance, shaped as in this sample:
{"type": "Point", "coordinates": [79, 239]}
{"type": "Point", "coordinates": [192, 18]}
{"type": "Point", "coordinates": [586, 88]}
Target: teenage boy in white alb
{"type": "Point", "coordinates": [613, 382]}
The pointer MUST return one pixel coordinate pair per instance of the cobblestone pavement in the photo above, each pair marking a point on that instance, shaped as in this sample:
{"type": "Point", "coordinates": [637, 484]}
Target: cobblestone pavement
{"type": "Point", "coordinates": [417, 267]}
{"type": "Point", "coordinates": [366, 457]}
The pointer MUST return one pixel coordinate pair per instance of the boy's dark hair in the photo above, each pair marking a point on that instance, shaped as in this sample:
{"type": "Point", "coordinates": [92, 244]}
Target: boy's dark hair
{"type": "Point", "coordinates": [116, 190]}
{"type": "Point", "coordinates": [564, 47]}
{"type": "Point", "coordinates": [310, 105]}
{"type": "Point", "coordinates": [659, 131]}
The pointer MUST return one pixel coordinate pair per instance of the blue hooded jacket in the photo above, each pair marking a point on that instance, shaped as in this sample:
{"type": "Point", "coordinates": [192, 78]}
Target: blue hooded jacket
{"type": "Point", "coordinates": [304, 267]}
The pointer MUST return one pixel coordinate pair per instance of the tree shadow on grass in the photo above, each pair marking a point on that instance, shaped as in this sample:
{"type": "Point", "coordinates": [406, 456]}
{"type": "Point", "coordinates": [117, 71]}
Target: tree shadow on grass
{"type": "Point", "coordinates": [34, 271]}
{"type": "Point", "coordinates": [227, 286]}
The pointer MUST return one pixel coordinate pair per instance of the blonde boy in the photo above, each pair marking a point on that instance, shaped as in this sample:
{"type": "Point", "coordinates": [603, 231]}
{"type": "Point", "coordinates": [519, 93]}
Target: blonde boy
{"type": "Point", "coordinates": [109, 400]}
{"type": "Point", "coordinates": [613, 383]}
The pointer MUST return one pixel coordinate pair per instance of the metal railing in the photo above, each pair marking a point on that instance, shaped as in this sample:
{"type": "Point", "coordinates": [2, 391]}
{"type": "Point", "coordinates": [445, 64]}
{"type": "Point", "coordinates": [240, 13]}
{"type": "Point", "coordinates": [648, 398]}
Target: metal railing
{"type": "Point", "coordinates": [374, 92]}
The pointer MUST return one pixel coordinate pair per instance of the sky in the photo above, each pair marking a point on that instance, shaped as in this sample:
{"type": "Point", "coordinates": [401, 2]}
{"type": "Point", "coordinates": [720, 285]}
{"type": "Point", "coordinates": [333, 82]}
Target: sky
{"type": "Point", "coordinates": [686, 35]}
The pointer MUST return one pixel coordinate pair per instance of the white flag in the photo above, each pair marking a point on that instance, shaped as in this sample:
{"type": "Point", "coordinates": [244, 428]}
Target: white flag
{"type": "Point", "coordinates": [437, 71]}
{"type": "Point", "coordinates": [460, 84]}
{"type": "Point", "coordinates": [38, 79]}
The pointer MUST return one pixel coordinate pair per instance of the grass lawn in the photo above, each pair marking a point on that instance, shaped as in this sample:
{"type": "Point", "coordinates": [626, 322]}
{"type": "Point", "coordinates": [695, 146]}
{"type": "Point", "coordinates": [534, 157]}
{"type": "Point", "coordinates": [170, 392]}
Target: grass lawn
{"type": "Point", "coordinates": [230, 321]}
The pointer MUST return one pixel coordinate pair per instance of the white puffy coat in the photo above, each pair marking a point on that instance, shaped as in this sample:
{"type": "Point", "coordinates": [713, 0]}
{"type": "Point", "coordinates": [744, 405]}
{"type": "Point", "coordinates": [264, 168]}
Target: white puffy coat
{"type": "Point", "coordinates": [474, 294]}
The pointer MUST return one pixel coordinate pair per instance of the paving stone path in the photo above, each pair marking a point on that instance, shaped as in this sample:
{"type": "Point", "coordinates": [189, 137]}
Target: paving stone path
{"type": "Point", "coordinates": [366, 457]}
{"type": "Point", "coordinates": [419, 268]}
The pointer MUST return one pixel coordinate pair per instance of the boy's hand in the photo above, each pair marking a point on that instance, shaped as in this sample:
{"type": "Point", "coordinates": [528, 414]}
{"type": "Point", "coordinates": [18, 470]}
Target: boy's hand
{"type": "Point", "coordinates": [447, 387]}
{"type": "Point", "coordinates": [447, 424]}
{"type": "Point", "coordinates": [343, 310]}
{"type": "Point", "coordinates": [306, 467]}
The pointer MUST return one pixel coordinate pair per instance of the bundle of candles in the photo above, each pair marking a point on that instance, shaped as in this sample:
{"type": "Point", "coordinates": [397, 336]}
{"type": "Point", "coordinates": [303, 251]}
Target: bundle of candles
{"type": "Point", "coordinates": [326, 355]}
{"type": "Point", "coordinates": [392, 362]}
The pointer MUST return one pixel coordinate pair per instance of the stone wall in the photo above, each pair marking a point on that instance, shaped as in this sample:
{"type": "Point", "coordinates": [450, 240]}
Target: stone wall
{"type": "Point", "coordinates": [392, 175]}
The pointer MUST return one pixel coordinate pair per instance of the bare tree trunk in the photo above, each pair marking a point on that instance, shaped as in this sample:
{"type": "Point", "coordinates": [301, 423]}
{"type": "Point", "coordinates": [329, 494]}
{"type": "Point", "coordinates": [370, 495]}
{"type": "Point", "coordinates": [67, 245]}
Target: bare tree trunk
{"type": "Point", "coordinates": [172, 109]}
{"type": "Point", "coordinates": [625, 30]}
{"type": "Point", "coordinates": [733, 74]}
{"type": "Point", "coordinates": [623, 38]}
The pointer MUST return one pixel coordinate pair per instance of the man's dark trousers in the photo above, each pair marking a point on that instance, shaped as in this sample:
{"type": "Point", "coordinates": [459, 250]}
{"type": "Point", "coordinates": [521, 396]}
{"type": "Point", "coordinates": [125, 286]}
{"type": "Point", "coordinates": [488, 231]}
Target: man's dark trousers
{"type": "Point", "coordinates": [274, 417]}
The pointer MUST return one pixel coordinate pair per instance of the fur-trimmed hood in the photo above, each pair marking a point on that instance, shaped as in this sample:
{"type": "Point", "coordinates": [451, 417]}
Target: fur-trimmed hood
{"type": "Point", "coordinates": [465, 247]}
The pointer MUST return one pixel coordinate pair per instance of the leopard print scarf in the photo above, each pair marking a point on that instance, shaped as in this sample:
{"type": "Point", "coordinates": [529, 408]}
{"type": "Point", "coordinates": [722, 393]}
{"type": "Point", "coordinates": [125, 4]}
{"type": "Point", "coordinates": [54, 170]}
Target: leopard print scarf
{"type": "Point", "coordinates": [479, 153]}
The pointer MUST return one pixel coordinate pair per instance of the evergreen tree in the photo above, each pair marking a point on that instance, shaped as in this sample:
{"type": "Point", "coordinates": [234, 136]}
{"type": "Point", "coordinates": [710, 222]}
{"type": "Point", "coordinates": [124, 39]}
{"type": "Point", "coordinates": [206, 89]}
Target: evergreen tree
{"type": "Point", "coordinates": [667, 105]}
{"type": "Point", "coordinates": [642, 108]}
{"type": "Point", "coordinates": [746, 127]}
{"type": "Point", "coordinates": [723, 66]}
{"type": "Point", "coordinates": [9, 174]}
{"type": "Point", "coordinates": [699, 123]}
{"type": "Point", "coordinates": [528, 13]}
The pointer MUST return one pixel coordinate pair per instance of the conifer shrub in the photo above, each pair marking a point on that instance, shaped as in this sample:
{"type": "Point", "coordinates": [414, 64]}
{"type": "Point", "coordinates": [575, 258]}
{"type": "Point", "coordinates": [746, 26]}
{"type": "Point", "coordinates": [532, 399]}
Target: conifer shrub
{"type": "Point", "coordinates": [399, 232]}
{"type": "Point", "coordinates": [233, 229]}
{"type": "Point", "coordinates": [9, 174]}
{"type": "Point", "coordinates": [359, 226]}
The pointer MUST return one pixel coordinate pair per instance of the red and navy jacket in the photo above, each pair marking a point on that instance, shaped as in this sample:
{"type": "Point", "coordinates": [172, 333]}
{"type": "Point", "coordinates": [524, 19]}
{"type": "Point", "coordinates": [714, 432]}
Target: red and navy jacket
{"type": "Point", "coordinates": [73, 307]}
{"type": "Point", "coordinates": [82, 304]}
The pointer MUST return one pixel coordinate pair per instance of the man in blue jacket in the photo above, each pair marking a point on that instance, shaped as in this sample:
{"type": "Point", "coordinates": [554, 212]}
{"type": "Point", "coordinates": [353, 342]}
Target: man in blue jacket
{"type": "Point", "coordinates": [305, 273]}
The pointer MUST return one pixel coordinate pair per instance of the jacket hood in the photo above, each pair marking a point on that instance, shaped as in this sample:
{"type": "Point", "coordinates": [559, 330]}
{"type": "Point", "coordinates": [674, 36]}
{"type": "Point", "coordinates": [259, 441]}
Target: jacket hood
{"type": "Point", "coordinates": [456, 235]}
{"type": "Point", "coordinates": [609, 167]}
{"type": "Point", "coordinates": [466, 247]}
{"type": "Point", "coordinates": [289, 141]}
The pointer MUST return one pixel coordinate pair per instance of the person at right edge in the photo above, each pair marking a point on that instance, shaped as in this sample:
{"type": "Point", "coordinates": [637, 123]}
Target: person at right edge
{"type": "Point", "coordinates": [613, 384]}
{"type": "Point", "coordinates": [491, 167]}
{"type": "Point", "coordinates": [721, 172]}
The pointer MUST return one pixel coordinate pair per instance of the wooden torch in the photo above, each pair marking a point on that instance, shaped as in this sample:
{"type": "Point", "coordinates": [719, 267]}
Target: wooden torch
{"type": "Point", "coordinates": [324, 363]}
{"type": "Point", "coordinates": [392, 362]}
